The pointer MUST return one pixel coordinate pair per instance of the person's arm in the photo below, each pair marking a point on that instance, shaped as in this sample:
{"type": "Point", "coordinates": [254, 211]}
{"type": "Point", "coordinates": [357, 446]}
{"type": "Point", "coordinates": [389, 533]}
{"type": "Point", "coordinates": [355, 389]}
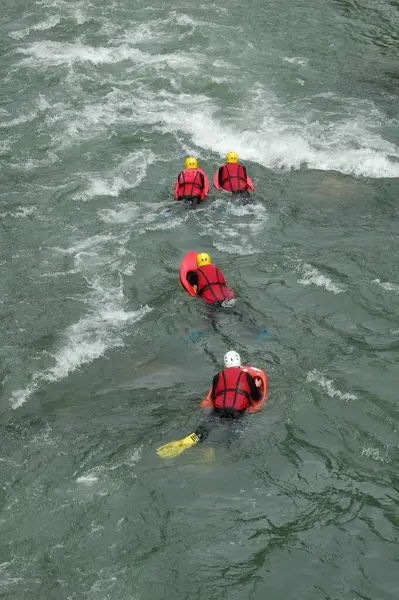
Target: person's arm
{"type": "Point", "coordinates": [214, 384]}
{"type": "Point", "coordinates": [216, 179]}
{"type": "Point", "coordinates": [175, 196]}
{"type": "Point", "coordinates": [250, 184]}
{"type": "Point", "coordinates": [176, 188]}
{"type": "Point", "coordinates": [205, 189]}
{"type": "Point", "coordinates": [255, 393]}
{"type": "Point", "coordinates": [220, 177]}
{"type": "Point", "coordinates": [221, 277]}
{"type": "Point", "coordinates": [192, 278]}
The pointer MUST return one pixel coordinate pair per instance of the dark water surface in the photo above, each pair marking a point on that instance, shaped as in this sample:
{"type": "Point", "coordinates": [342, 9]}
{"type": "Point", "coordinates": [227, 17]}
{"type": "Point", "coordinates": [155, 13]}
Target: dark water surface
{"type": "Point", "coordinates": [104, 358]}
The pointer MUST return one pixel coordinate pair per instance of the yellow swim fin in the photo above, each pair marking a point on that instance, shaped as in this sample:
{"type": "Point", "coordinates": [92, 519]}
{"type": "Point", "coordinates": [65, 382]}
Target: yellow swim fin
{"type": "Point", "coordinates": [175, 448]}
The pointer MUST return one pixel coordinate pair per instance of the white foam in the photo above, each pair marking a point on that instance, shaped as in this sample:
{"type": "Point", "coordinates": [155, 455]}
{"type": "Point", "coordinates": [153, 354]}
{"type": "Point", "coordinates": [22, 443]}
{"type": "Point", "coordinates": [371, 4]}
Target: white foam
{"type": "Point", "coordinates": [296, 60]}
{"type": "Point", "coordinates": [5, 146]}
{"type": "Point", "coordinates": [87, 479]}
{"type": "Point", "coordinates": [129, 174]}
{"type": "Point", "coordinates": [159, 109]}
{"type": "Point", "coordinates": [133, 457]}
{"type": "Point", "coordinates": [350, 146]}
{"type": "Point", "coordinates": [236, 237]}
{"type": "Point", "coordinates": [349, 143]}
{"type": "Point", "coordinates": [43, 103]}
{"type": "Point", "coordinates": [96, 473]}
{"type": "Point", "coordinates": [80, 16]}
{"type": "Point", "coordinates": [146, 33]}
{"type": "Point", "coordinates": [46, 24]}
{"type": "Point", "coordinates": [45, 439]}
{"type": "Point", "coordinates": [148, 222]}
{"type": "Point", "coordinates": [48, 53]}
{"type": "Point", "coordinates": [123, 213]}
{"type": "Point", "coordinates": [41, 26]}
{"type": "Point", "coordinates": [20, 213]}
{"type": "Point", "coordinates": [242, 210]}
{"type": "Point", "coordinates": [288, 149]}
{"type": "Point", "coordinates": [99, 187]}
{"type": "Point", "coordinates": [19, 397]}
{"type": "Point", "coordinates": [19, 34]}
{"type": "Point", "coordinates": [19, 120]}
{"type": "Point", "coordinates": [8, 581]}
{"type": "Point", "coordinates": [375, 454]}
{"type": "Point", "coordinates": [186, 20]}
{"type": "Point", "coordinates": [76, 9]}
{"type": "Point", "coordinates": [103, 326]}
{"type": "Point", "coordinates": [55, 274]}
{"type": "Point", "coordinates": [82, 347]}
{"type": "Point", "coordinates": [237, 249]}
{"type": "Point", "coordinates": [33, 163]}
{"type": "Point", "coordinates": [327, 385]}
{"type": "Point", "coordinates": [389, 287]}
{"type": "Point", "coordinates": [231, 233]}
{"type": "Point", "coordinates": [312, 276]}
{"type": "Point", "coordinates": [85, 341]}
{"type": "Point", "coordinates": [4, 565]}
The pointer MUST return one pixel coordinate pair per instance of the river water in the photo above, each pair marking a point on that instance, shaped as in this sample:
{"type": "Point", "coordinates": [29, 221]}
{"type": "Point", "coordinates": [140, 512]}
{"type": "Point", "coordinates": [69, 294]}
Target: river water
{"type": "Point", "coordinates": [103, 356]}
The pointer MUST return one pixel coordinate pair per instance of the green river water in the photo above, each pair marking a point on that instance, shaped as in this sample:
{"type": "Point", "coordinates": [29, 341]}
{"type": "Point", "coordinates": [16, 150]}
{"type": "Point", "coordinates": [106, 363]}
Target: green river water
{"type": "Point", "coordinates": [104, 358]}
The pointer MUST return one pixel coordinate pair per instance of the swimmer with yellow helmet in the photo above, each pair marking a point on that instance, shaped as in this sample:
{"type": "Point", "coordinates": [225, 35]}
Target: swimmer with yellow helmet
{"type": "Point", "coordinates": [192, 184]}
{"type": "Point", "coordinates": [209, 283]}
{"type": "Point", "coordinates": [232, 177]}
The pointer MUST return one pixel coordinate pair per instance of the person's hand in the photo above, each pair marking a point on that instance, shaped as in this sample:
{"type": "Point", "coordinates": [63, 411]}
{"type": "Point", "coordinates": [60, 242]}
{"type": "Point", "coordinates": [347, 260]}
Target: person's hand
{"type": "Point", "coordinates": [258, 382]}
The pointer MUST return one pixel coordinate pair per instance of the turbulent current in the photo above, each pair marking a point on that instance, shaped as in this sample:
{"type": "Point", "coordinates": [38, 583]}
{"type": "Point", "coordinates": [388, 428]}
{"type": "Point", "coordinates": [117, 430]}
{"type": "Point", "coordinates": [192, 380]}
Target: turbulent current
{"type": "Point", "coordinates": [104, 357]}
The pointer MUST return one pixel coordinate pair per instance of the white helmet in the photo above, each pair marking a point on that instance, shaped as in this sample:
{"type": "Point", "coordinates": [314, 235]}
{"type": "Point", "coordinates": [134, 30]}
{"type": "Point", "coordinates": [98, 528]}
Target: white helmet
{"type": "Point", "coordinates": [232, 359]}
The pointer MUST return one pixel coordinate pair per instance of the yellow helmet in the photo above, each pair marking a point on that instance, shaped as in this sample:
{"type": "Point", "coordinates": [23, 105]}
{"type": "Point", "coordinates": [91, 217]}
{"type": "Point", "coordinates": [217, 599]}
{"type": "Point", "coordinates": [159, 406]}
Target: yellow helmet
{"type": "Point", "coordinates": [231, 157]}
{"type": "Point", "coordinates": [190, 163]}
{"type": "Point", "coordinates": [203, 259]}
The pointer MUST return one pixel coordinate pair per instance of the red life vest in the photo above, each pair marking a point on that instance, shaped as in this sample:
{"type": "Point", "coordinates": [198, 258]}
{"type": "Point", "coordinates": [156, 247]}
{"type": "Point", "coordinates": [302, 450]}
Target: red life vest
{"type": "Point", "coordinates": [232, 390]}
{"type": "Point", "coordinates": [211, 285]}
{"type": "Point", "coordinates": [233, 177]}
{"type": "Point", "coordinates": [190, 183]}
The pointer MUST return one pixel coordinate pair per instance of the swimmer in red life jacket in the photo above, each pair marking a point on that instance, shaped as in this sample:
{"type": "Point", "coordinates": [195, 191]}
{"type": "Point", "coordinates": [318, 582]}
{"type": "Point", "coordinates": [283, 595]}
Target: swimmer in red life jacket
{"type": "Point", "coordinates": [192, 184]}
{"type": "Point", "coordinates": [232, 177]}
{"type": "Point", "coordinates": [233, 392]}
{"type": "Point", "coordinates": [209, 283]}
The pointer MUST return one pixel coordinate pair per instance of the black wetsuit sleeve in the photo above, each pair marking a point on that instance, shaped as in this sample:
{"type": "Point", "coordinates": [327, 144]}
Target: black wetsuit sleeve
{"type": "Point", "coordinates": [255, 393]}
{"type": "Point", "coordinates": [220, 182]}
{"type": "Point", "coordinates": [192, 278]}
{"type": "Point", "coordinates": [214, 384]}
